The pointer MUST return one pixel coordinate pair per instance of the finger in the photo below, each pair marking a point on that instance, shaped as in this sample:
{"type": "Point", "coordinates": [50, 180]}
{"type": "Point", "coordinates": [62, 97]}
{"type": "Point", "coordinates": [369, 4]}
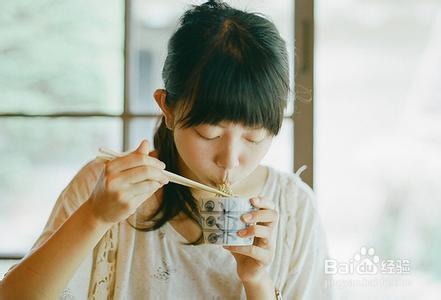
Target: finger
{"type": "Point", "coordinates": [141, 173]}
{"type": "Point", "coordinates": [154, 153]}
{"type": "Point", "coordinates": [143, 147]}
{"type": "Point", "coordinates": [135, 201]}
{"type": "Point", "coordinates": [146, 188]}
{"type": "Point", "coordinates": [262, 215]}
{"type": "Point", "coordinates": [261, 255]}
{"type": "Point", "coordinates": [142, 155]}
{"type": "Point", "coordinates": [256, 231]}
{"type": "Point", "coordinates": [262, 242]}
{"type": "Point", "coordinates": [132, 161]}
{"type": "Point", "coordinates": [262, 202]}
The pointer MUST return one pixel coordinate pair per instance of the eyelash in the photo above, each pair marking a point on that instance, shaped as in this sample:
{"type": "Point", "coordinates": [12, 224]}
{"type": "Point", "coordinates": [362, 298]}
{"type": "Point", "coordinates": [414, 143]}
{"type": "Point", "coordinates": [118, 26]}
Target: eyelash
{"type": "Point", "coordinates": [212, 139]}
{"type": "Point", "coordinates": [254, 143]}
{"type": "Point", "coordinates": [209, 139]}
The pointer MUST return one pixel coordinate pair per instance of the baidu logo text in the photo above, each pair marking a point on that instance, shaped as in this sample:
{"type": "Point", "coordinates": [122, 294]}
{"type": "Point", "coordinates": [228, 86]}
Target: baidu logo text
{"type": "Point", "coordinates": [366, 262]}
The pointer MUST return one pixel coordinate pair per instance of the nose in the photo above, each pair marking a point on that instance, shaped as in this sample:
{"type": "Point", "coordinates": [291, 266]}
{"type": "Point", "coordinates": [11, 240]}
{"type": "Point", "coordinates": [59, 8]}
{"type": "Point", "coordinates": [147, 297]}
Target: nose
{"type": "Point", "coordinates": [228, 158]}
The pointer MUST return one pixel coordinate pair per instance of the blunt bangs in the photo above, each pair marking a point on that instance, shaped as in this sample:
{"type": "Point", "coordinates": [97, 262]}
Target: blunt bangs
{"type": "Point", "coordinates": [245, 91]}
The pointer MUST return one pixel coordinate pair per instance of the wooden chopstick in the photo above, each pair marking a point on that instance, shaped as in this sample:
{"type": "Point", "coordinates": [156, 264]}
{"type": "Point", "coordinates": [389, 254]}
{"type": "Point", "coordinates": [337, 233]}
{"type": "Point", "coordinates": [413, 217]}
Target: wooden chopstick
{"type": "Point", "coordinates": [110, 154]}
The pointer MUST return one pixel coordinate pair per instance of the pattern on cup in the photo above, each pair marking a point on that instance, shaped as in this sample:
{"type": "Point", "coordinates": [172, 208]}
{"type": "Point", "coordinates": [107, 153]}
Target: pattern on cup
{"type": "Point", "coordinates": [221, 219]}
{"type": "Point", "coordinates": [214, 237]}
{"type": "Point", "coordinates": [216, 220]}
{"type": "Point", "coordinates": [209, 205]}
{"type": "Point", "coordinates": [220, 204]}
{"type": "Point", "coordinates": [225, 238]}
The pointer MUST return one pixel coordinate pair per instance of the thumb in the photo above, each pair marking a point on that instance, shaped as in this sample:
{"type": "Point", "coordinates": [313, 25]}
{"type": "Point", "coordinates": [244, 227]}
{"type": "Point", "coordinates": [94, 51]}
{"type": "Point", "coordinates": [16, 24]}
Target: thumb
{"type": "Point", "coordinates": [143, 147]}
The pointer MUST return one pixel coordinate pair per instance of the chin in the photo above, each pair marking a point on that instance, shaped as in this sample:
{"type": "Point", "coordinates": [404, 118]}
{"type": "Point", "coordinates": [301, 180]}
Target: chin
{"type": "Point", "coordinates": [216, 181]}
{"type": "Point", "coordinates": [205, 179]}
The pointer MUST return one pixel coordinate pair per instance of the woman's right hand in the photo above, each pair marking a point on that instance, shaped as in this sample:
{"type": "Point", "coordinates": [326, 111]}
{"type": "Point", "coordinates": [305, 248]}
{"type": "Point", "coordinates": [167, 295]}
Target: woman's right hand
{"type": "Point", "coordinates": [126, 183]}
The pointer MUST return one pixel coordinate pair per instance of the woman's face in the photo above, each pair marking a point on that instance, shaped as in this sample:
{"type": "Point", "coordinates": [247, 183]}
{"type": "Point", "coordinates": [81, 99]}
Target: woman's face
{"type": "Point", "coordinates": [226, 152]}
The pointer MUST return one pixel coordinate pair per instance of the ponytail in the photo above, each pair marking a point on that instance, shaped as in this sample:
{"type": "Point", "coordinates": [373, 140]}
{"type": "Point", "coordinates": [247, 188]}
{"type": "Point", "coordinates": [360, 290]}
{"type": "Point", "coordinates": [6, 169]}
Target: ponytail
{"type": "Point", "coordinates": [175, 198]}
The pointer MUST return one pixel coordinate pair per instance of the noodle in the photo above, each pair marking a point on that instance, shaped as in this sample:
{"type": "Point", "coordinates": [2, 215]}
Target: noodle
{"type": "Point", "coordinates": [224, 187]}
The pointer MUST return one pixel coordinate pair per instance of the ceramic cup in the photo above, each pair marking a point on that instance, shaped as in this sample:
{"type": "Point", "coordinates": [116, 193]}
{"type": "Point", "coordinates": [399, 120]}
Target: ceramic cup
{"type": "Point", "coordinates": [221, 219]}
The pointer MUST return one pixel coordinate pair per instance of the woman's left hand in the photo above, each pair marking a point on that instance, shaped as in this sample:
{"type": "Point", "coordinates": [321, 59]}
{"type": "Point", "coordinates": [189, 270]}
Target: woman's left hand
{"type": "Point", "coordinates": [251, 260]}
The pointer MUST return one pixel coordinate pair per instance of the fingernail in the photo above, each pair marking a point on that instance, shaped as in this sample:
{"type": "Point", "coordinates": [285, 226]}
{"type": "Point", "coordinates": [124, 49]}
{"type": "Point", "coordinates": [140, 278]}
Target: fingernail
{"type": "Point", "coordinates": [256, 200]}
{"type": "Point", "coordinates": [241, 232]}
{"type": "Point", "coordinates": [247, 217]}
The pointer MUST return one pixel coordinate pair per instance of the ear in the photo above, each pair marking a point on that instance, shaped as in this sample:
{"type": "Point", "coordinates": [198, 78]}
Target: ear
{"type": "Point", "coordinates": [160, 96]}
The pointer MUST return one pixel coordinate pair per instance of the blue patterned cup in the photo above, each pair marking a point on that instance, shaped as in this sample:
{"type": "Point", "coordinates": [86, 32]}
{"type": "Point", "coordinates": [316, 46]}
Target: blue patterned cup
{"type": "Point", "coordinates": [221, 219]}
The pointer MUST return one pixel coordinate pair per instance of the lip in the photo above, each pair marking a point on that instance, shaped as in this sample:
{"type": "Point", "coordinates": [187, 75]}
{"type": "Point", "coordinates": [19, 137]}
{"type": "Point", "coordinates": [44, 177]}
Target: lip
{"type": "Point", "coordinates": [216, 182]}
{"type": "Point", "coordinates": [226, 178]}
{"type": "Point", "coordinates": [223, 178]}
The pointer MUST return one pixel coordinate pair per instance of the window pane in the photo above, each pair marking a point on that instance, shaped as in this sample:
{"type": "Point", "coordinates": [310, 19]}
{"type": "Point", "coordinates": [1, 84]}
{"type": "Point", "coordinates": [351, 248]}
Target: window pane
{"type": "Point", "coordinates": [141, 128]}
{"type": "Point", "coordinates": [279, 156]}
{"type": "Point", "coordinates": [154, 22]}
{"type": "Point", "coordinates": [378, 131]}
{"type": "Point", "coordinates": [38, 158]}
{"type": "Point", "coordinates": [61, 56]}
{"type": "Point", "coordinates": [5, 264]}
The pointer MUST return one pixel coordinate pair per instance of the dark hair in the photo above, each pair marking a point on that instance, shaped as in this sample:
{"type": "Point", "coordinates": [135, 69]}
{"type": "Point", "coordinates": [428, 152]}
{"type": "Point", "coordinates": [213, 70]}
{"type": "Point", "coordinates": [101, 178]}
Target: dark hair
{"type": "Point", "coordinates": [223, 64]}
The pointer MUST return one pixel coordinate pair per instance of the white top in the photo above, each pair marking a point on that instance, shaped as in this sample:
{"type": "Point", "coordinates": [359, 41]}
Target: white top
{"type": "Point", "coordinates": [154, 265]}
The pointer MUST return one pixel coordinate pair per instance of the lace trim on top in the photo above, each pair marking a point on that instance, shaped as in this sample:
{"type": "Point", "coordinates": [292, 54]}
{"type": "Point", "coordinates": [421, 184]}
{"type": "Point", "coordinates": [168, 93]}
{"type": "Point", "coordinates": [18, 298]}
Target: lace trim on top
{"type": "Point", "coordinates": [102, 280]}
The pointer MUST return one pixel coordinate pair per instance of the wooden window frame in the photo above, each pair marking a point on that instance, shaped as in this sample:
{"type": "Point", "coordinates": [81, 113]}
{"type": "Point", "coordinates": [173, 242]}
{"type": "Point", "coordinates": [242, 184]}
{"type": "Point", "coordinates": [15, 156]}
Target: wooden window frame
{"type": "Point", "coordinates": [303, 117]}
{"type": "Point", "coordinates": [303, 82]}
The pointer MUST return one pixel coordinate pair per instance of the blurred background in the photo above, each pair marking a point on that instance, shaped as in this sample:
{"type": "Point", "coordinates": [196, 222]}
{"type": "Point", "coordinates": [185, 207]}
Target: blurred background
{"type": "Point", "coordinates": [78, 75]}
{"type": "Point", "coordinates": [378, 140]}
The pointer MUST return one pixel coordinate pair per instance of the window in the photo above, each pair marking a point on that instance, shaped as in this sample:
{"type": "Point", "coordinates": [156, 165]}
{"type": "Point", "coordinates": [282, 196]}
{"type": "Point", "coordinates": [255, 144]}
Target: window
{"type": "Point", "coordinates": [61, 81]}
{"type": "Point", "coordinates": [66, 90]}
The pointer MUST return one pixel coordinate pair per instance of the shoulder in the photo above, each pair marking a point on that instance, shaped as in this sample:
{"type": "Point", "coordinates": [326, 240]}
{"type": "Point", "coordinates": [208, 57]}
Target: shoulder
{"type": "Point", "coordinates": [89, 173]}
{"type": "Point", "coordinates": [296, 196]}
{"type": "Point", "coordinates": [83, 183]}
{"type": "Point", "coordinates": [92, 168]}
{"type": "Point", "coordinates": [75, 193]}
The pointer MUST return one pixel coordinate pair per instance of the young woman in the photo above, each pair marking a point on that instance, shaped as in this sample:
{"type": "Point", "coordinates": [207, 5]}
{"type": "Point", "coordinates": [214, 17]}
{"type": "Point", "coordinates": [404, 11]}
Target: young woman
{"type": "Point", "coordinates": [120, 230]}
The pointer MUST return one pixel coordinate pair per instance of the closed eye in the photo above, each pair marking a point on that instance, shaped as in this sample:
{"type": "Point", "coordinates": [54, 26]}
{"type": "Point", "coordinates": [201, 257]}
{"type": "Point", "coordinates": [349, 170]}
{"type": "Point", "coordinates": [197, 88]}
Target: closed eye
{"type": "Point", "coordinates": [210, 139]}
{"type": "Point", "coordinates": [207, 138]}
{"type": "Point", "coordinates": [251, 141]}
{"type": "Point", "coordinates": [255, 142]}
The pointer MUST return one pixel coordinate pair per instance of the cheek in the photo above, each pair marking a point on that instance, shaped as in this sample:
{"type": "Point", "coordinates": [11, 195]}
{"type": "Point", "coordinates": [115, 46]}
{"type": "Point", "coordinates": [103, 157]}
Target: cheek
{"type": "Point", "coordinates": [195, 151]}
{"type": "Point", "coordinates": [254, 156]}
{"type": "Point", "coordinates": [191, 149]}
